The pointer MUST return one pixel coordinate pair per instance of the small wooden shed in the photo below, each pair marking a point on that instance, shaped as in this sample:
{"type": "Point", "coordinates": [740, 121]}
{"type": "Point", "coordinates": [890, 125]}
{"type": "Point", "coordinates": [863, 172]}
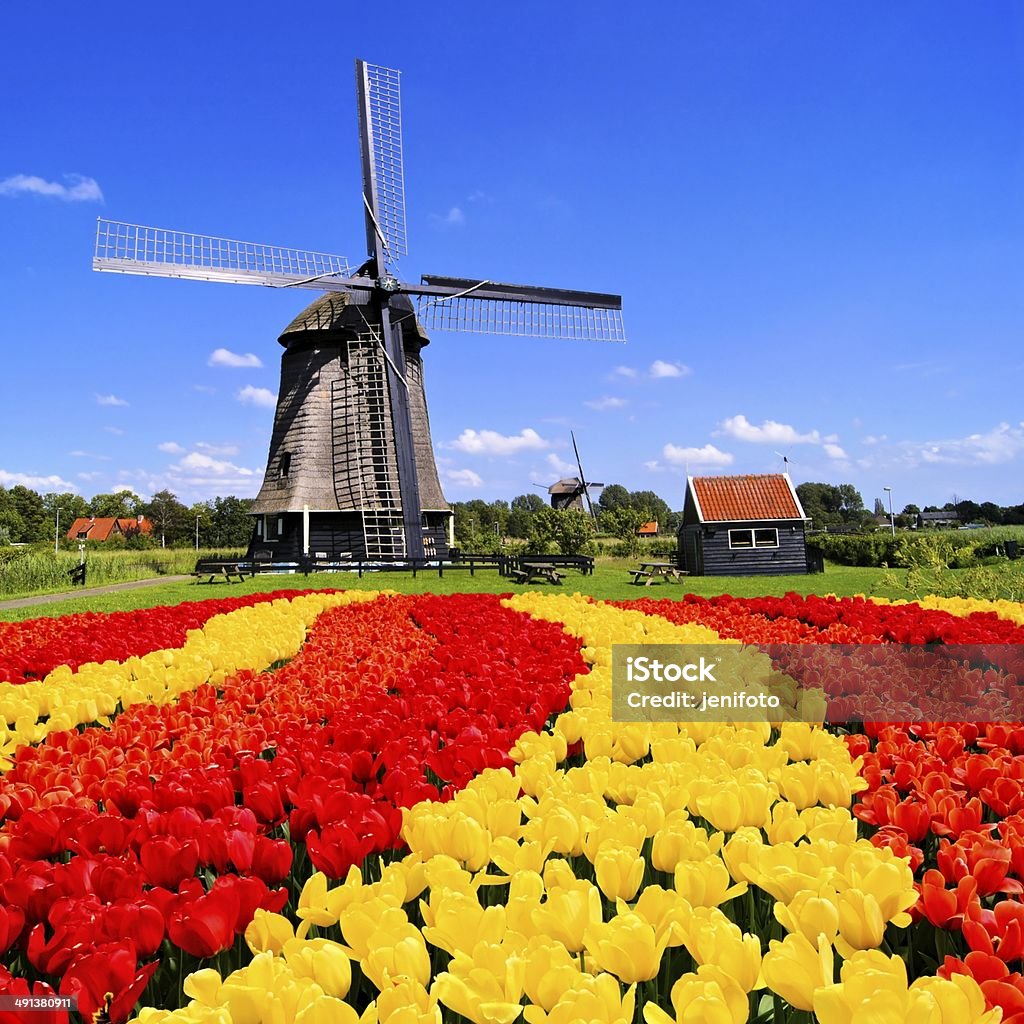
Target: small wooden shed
{"type": "Point", "coordinates": [742, 526]}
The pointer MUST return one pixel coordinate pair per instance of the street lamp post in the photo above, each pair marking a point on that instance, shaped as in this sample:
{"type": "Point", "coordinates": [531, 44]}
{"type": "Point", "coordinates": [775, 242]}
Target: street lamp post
{"type": "Point", "coordinates": [56, 535]}
{"type": "Point", "coordinates": [197, 533]}
{"type": "Point", "coordinates": [892, 521]}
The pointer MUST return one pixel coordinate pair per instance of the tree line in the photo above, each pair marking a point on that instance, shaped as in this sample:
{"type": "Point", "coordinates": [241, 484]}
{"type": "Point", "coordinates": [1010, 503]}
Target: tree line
{"type": "Point", "coordinates": [28, 517]}
{"type": "Point", "coordinates": [841, 505]}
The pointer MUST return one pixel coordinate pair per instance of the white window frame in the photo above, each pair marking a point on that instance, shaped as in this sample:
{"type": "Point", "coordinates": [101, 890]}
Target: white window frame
{"type": "Point", "coordinates": [752, 532]}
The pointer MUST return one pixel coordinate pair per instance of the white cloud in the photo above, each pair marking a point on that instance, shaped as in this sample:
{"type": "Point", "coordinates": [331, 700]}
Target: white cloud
{"type": "Point", "coordinates": [110, 400]}
{"type": "Point", "coordinates": [124, 487]}
{"type": "Point", "coordinates": [708, 455]}
{"type": "Point", "coordinates": [559, 465]}
{"type": "Point", "coordinates": [95, 475]}
{"type": "Point", "coordinates": [1001, 444]}
{"type": "Point", "coordinates": [454, 218]}
{"type": "Point", "coordinates": [36, 483]}
{"type": "Point", "coordinates": [463, 478]}
{"type": "Point", "coordinates": [769, 432]}
{"type": "Point", "coordinates": [490, 442]}
{"type": "Point", "coordinates": [216, 449]}
{"type": "Point", "coordinates": [654, 465]}
{"type": "Point", "coordinates": [605, 403]}
{"type": "Point", "coordinates": [833, 451]}
{"type": "Point", "coordinates": [263, 397]}
{"type": "Point", "coordinates": [225, 357]}
{"type": "Point", "coordinates": [875, 438]}
{"type": "Point", "coordinates": [197, 462]}
{"type": "Point", "coordinates": [79, 454]}
{"type": "Point", "coordinates": [116, 431]}
{"type": "Point", "coordinates": [204, 389]}
{"type": "Point", "coordinates": [77, 189]}
{"type": "Point", "coordinates": [171, 448]}
{"type": "Point", "coordinates": [660, 369]}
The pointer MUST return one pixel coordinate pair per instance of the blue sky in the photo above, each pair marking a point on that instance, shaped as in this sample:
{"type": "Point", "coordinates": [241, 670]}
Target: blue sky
{"type": "Point", "coordinates": [814, 213]}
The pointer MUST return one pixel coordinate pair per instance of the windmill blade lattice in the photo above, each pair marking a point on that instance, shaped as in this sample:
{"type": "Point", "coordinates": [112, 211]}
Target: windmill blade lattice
{"type": "Point", "coordinates": [385, 128]}
{"type": "Point", "coordinates": [469, 314]}
{"type": "Point", "coordinates": [159, 252]}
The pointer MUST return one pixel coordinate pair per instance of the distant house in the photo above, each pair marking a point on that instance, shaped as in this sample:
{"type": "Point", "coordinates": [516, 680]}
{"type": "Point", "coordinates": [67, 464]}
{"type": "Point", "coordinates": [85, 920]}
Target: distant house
{"type": "Point", "coordinates": [102, 528]}
{"type": "Point", "coordinates": [648, 529]}
{"type": "Point", "coordinates": [937, 519]}
{"type": "Point", "coordinates": [742, 526]}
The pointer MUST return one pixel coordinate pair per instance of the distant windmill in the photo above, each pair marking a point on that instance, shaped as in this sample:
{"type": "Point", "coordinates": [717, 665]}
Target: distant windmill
{"type": "Point", "coordinates": [571, 492]}
{"type": "Point", "coordinates": [351, 465]}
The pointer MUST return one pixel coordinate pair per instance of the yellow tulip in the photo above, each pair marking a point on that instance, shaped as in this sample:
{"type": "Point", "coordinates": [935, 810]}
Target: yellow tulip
{"type": "Point", "coordinates": [626, 946]}
{"type": "Point", "coordinates": [457, 921]}
{"type": "Point", "coordinates": [485, 988]}
{"type": "Point", "coordinates": [268, 932]}
{"type": "Point", "coordinates": [597, 1000]}
{"type": "Point", "coordinates": [407, 1002]}
{"type": "Point", "coordinates": [705, 883]}
{"type": "Point", "coordinates": [861, 924]}
{"type": "Point", "coordinates": [713, 940]}
{"type": "Point", "coordinates": [708, 996]}
{"type": "Point", "coordinates": [786, 825]}
{"type": "Point", "coordinates": [550, 971]}
{"type": "Point", "coordinates": [397, 954]}
{"type": "Point", "coordinates": [665, 911]}
{"type": "Point", "coordinates": [795, 968]}
{"type": "Point", "coordinates": [619, 869]}
{"type": "Point", "coordinates": [811, 914]}
{"type": "Point", "coordinates": [567, 914]}
{"type": "Point", "coordinates": [322, 961]}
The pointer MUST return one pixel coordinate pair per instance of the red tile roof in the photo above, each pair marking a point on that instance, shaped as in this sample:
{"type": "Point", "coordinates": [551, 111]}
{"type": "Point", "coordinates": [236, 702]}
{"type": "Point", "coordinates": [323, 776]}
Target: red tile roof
{"type": "Point", "coordinates": [104, 527]}
{"type": "Point", "coordinates": [726, 499]}
{"type": "Point", "coordinates": [646, 529]}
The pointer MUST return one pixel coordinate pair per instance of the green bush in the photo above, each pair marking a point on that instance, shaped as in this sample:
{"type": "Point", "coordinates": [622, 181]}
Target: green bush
{"type": "Point", "coordinates": [953, 548]}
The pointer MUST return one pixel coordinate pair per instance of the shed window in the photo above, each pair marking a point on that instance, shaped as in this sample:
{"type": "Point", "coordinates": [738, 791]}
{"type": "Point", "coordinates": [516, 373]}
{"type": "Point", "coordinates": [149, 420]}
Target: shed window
{"type": "Point", "coordinates": [285, 465]}
{"type": "Point", "coordinates": [767, 537]}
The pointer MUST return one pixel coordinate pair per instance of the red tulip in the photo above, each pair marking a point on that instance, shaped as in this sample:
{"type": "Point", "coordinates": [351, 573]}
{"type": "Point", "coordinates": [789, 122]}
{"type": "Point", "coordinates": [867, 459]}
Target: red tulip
{"type": "Point", "coordinates": [107, 979]}
{"type": "Point", "coordinates": [204, 925]}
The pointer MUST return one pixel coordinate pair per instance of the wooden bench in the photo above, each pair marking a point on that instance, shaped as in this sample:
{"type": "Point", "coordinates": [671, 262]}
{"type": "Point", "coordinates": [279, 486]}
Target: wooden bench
{"type": "Point", "coordinates": [77, 575]}
{"type": "Point", "coordinates": [530, 573]}
{"type": "Point", "coordinates": [213, 567]}
{"type": "Point", "coordinates": [641, 574]}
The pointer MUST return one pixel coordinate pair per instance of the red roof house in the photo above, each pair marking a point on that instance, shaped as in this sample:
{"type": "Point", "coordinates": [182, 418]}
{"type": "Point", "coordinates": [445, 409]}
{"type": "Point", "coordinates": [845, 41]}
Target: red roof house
{"type": "Point", "coordinates": [742, 526]}
{"type": "Point", "coordinates": [102, 528]}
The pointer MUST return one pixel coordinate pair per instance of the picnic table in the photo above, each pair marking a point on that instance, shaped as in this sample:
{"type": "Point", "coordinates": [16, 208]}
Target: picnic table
{"type": "Point", "coordinates": [532, 571]}
{"type": "Point", "coordinates": [213, 567]}
{"type": "Point", "coordinates": [651, 571]}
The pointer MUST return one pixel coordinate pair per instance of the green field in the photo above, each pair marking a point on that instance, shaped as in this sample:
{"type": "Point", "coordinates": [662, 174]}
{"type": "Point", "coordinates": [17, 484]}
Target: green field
{"type": "Point", "coordinates": [609, 582]}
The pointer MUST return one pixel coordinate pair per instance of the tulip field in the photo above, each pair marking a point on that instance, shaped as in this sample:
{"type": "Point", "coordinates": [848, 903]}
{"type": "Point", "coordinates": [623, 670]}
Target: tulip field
{"type": "Point", "coordinates": [328, 806]}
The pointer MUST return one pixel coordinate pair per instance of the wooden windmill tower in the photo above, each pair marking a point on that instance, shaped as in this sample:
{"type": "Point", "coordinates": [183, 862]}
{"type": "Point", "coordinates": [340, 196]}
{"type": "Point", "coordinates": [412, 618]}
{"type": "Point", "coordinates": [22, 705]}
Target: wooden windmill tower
{"type": "Point", "coordinates": [351, 466]}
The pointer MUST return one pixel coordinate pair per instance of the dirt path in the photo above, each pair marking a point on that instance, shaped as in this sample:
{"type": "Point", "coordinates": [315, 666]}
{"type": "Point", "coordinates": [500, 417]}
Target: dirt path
{"type": "Point", "coordinates": [67, 595]}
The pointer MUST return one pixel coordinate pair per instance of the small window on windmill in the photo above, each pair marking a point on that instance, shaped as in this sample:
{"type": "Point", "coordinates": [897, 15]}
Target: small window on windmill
{"type": "Point", "coordinates": [259, 527]}
{"type": "Point", "coordinates": [285, 465]}
{"type": "Point", "coordinates": [280, 526]}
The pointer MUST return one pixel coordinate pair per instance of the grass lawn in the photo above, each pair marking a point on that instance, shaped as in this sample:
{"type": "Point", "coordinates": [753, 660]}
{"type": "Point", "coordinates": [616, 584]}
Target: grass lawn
{"type": "Point", "coordinates": [609, 582]}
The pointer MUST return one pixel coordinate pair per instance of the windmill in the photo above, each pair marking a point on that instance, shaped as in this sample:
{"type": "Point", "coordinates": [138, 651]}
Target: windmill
{"type": "Point", "coordinates": [570, 492]}
{"type": "Point", "coordinates": [351, 467]}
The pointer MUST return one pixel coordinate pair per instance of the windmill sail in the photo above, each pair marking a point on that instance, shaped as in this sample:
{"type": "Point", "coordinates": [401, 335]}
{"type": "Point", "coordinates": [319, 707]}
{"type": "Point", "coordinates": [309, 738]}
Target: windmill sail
{"type": "Point", "coordinates": [380, 129]}
{"type": "Point", "coordinates": [526, 311]}
{"type": "Point", "coordinates": [160, 252]}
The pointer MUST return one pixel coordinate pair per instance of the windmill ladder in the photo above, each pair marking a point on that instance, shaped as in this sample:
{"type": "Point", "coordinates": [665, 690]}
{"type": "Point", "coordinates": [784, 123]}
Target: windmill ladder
{"type": "Point", "coordinates": [381, 507]}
